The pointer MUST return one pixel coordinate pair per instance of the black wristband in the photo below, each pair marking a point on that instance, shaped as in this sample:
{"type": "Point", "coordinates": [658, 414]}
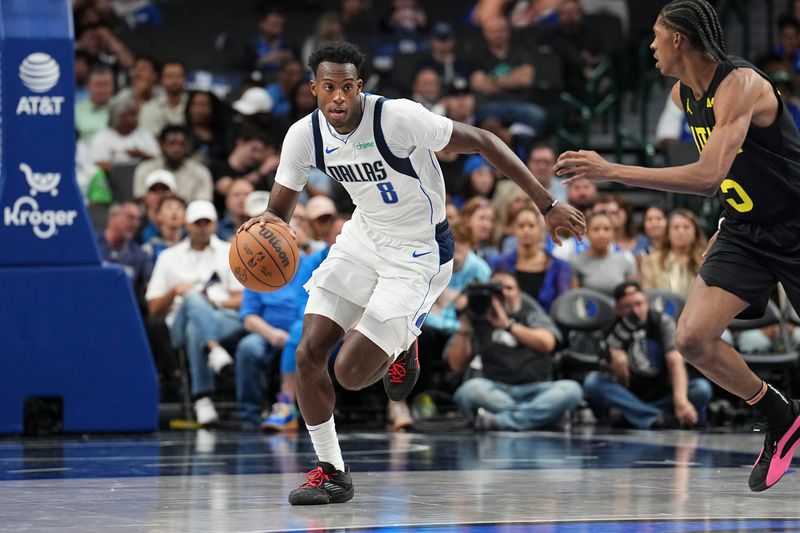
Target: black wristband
{"type": "Point", "coordinates": [549, 207]}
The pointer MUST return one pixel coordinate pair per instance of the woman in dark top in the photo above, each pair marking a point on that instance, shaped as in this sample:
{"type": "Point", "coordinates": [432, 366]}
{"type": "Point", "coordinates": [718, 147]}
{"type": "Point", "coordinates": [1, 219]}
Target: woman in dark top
{"type": "Point", "coordinates": [205, 119]}
{"type": "Point", "coordinates": [538, 273]}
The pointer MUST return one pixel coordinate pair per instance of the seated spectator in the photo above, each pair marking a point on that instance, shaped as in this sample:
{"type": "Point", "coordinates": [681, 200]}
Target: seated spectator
{"type": "Point", "coordinates": [82, 66]}
{"type": "Point", "coordinates": [123, 142]}
{"type": "Point", "coordinates": [235, 214]}
{"type": "Point", "coordinates": [515, 339]}
{"type": "Point", "coordinates": [442, 57]}
{"type": "Point", "coordinates": [785, 55]}
{"type": "Point", "coordinates": [329, 27]}
{"type": "Point", "coordinates": [170, 222]}
{"type": "Point", "coordinates": [253, 157]}
{"type": "Point", "coordinates": [97, 40]}
{"type": "Point", "coordinates": [192, 179]}
{"type": "Point", "coordinates": [581, 44]}
{"type": "Point", "coordinates": [116, 245]}
{"type": "Point", "coordinates": [786, 88]}
{"type": "Point", "coordinates": [672, 126]}
{"type": "Point", "coordinates": [608, 203]}
{"type": "Point", "coordinates": [509, 199]}
{"type": "Point", "coordinates": [321, 214]}
{"type": "Point", "coordinates": [158, 184]}
{"type": "Point", "coordinates": [521, 14]}
{"type": "Point", "coordinates": [290, 76]}
{"type": "Point", "coordinates": [539, 274]}
{"type": "Point", "coordinates": [541, 159]}
{"type": "Point", "coordinates": [91, 114]}
{"type": "Point", "coordinates": [143, 82]}
{"type": "Point", "coordinates": [582, 195]}
{"type": "Point", "coordinates": [675, 267]}
{"type": "Point", "coordinates": [654, 227]}
{"type": "Point", "coordinates": [359, 24]}
{"type": "Point", "coordinates": [479, 214]}
{"type": "Point", "coordinates": [169, 107]}
{"type": "Point", "coordinates": [503, 78]}
{"type": "Point", "coordinates": [645, 377]}
{"type": "Point", "coordinates": [479, 180]}
{"type": "Point", "coordinates": [205, 120]}
{"type": "Point", "coordinates": [268, 50]}
{"type": "Point", "coordinates": [459, 105]}
{"type": "Point", "coordinates": [626, 235]}
{"type": "Point", "coordinates": [599, 268]}
{"type": "Point", "coordinates": [426, 89]}
{"type": "Point", "coordinates": [193, 285]}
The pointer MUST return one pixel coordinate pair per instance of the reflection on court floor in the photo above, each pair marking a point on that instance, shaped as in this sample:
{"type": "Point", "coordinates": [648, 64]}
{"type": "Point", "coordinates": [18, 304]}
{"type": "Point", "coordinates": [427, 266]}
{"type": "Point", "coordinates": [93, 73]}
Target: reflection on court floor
{"type": "Point", "coordinates": [538, 481]}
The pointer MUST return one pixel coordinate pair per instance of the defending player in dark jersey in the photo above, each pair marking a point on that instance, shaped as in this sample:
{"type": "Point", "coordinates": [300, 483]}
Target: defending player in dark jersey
{"type": "Point", "coordinates": [750, 154]}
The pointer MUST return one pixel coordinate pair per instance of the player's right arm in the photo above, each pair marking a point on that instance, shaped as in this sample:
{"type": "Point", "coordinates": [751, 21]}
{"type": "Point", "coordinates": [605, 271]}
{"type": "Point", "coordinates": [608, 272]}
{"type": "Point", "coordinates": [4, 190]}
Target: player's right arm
{"type": "Point", "coordinates": [297, 156]}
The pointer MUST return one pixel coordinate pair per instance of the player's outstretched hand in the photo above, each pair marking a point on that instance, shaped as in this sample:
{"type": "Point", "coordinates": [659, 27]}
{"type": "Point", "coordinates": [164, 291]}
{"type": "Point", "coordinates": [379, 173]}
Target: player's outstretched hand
{"type": "Point", "coordinates": [582, 164]}
{"type": "Point", "coordinates": [566, 218]}
{"type": "Point", "coordinates": [265, 218]}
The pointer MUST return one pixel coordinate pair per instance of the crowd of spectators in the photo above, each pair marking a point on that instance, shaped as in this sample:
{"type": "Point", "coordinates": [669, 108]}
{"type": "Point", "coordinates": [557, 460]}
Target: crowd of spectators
{"type": "Point", "coordinates": [187, 166]}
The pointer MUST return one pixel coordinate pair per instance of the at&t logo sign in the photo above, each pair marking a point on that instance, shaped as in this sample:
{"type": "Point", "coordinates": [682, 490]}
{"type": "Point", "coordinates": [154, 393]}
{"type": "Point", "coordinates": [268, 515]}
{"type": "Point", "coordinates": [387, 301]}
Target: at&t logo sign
{"type": "Point", "coordinates": [39, 73]}
{"type": "Point", "coordinates": [26, 212]}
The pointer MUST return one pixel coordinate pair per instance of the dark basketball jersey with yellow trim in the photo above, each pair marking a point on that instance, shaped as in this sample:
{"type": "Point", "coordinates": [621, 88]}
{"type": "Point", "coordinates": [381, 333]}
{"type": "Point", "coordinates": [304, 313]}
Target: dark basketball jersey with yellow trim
{"type": "Point", "coordinates": [763, 184]}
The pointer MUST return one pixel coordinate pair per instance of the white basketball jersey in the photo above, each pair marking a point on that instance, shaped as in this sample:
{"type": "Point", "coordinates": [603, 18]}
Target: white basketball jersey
{"type": "Point", "coordinates": [387, 164]}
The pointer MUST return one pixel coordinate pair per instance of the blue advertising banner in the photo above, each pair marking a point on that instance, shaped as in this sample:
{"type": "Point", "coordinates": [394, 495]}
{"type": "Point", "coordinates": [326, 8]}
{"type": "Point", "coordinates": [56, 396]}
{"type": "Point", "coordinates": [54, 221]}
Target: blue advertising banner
{"type": "Point", "coordinates": [42, 217]}
{"type": "Point", "coordinates": [70, 328]}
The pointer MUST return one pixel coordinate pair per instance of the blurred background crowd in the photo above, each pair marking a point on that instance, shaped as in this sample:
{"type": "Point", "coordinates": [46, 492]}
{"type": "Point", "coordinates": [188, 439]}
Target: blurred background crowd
{"type": "Point", "coordinates": [181, 109]}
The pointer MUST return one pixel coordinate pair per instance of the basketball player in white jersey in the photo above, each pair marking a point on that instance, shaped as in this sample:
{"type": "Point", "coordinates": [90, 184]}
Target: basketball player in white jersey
{"type": "Point", "coordinates": [393, 257]}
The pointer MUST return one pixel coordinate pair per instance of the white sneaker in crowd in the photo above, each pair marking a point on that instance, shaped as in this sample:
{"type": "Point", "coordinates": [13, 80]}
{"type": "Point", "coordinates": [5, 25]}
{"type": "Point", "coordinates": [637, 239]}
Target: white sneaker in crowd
{"type": "Point", "coordinates": [219, 358]}
{"type": "Point", "coordinates": [204, 411]}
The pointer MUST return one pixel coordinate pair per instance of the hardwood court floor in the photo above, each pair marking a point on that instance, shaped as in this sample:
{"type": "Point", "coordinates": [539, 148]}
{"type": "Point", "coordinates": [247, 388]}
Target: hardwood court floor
{"type": "Point", "coordinates": [538, 481]}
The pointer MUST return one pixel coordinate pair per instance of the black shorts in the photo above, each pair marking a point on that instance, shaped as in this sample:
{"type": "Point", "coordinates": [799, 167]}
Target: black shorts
{"type": "Point", "coordinates": [748, 259]}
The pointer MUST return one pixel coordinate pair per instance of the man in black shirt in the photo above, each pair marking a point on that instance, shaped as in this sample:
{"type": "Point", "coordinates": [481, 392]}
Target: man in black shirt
{"type": "Point", "coordinates": [514, 341]}
{"type": "Point", "coordinates": [646, 377]}
{"type": "Point", "coordinates": [750, 153]}
{"type": "Point", "coordinates": [503, 77]}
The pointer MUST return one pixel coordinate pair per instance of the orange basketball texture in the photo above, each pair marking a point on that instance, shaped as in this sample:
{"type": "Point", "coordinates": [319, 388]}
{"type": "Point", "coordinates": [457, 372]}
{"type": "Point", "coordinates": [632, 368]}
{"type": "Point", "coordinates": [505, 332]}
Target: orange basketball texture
{"type": "Point", "coordinates": [264, 259]}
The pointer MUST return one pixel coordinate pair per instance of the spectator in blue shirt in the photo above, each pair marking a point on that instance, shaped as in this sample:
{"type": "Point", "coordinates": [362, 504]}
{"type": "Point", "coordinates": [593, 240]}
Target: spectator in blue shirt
{"type": "Point", "coordinates": [290, 76]}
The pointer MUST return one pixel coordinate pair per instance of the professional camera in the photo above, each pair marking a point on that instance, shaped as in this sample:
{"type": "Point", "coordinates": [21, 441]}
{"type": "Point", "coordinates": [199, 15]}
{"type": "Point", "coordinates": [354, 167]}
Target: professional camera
{"type": "Point", "coordinates": [479, 299]}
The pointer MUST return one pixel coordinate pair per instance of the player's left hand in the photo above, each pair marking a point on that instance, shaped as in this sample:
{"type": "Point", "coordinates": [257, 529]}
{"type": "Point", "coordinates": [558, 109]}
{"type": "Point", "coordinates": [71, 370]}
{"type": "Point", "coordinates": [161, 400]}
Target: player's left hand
{"type": "Point", "coordinates": [565, 217]}
{"type": "Point", "coordinates": [582, 164]}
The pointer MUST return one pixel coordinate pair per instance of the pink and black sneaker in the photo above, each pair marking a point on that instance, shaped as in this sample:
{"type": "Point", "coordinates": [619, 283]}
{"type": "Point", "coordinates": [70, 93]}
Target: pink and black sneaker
{"type": "Point", "coordinates": [402, 374]}
{"type": "Point", "coordinates": [776, 455]}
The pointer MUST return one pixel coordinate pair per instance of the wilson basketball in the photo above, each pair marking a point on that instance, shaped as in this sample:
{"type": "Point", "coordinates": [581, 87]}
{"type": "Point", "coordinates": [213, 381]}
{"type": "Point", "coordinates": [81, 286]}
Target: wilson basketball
{"type": "Point", "coordinates": [264, 258]}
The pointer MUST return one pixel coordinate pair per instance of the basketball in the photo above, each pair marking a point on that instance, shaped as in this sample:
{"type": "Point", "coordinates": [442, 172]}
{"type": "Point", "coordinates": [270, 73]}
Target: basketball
{"type": "Point", "coordinates": [264, 258]}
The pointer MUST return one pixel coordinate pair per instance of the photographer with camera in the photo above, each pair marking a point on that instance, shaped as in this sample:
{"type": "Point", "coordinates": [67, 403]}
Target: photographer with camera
{"type": "Point", "coordinates": [645, 376]}
{"type": "Point", "coordinates": [509, 339]}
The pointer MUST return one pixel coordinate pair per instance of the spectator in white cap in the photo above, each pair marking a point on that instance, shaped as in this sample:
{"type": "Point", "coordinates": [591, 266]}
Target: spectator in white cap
{"type": "Point", "coordinates": [253, 100]}
{"type": "Point", "coordinates": [256, 202]}
{"type": "Point", "coordinates": [321, 213]}
{"type": "Point", "coordinates": [157, 184]}
{"type": "Point", "coordinates": [193, 285]}
{"type": "Point", "coordinates": [235, 214]}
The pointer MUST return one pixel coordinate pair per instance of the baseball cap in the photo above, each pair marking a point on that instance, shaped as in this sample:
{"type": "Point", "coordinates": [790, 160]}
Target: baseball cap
{"type": "Point", "coordinates": [199, 210]}
{"type": "Point", "coordinates": [255, 203]}
{"type": "Point", "coordinates": [254, 100]}
{"type": "Point", "coordinates": [319, 206]}
{"type": "Point", "coordinates": [474, 162]}
{"type": "Point", "coordinates": [164, 177]}
{"type": "Point", "coordinates": [442, 30]}
{"type": "Point", "coordinates": [459, 86]}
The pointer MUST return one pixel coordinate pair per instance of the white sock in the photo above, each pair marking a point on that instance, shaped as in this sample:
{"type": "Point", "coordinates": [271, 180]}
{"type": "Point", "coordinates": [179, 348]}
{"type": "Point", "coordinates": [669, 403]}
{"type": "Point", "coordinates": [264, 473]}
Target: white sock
{"type": "Point", "coordinates": [326, 443]}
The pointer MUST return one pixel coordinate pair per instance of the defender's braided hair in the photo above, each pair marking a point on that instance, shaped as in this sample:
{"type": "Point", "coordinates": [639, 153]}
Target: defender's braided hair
{"type": "Point", "coordinates": [698, 21]}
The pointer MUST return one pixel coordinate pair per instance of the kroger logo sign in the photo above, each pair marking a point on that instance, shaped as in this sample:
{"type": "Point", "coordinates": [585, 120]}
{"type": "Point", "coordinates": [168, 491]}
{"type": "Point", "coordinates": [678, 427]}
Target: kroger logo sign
{"type": "Point", "coordinates": [39, 73]}
{"type": "Point", "coordinates": [26, 212]}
